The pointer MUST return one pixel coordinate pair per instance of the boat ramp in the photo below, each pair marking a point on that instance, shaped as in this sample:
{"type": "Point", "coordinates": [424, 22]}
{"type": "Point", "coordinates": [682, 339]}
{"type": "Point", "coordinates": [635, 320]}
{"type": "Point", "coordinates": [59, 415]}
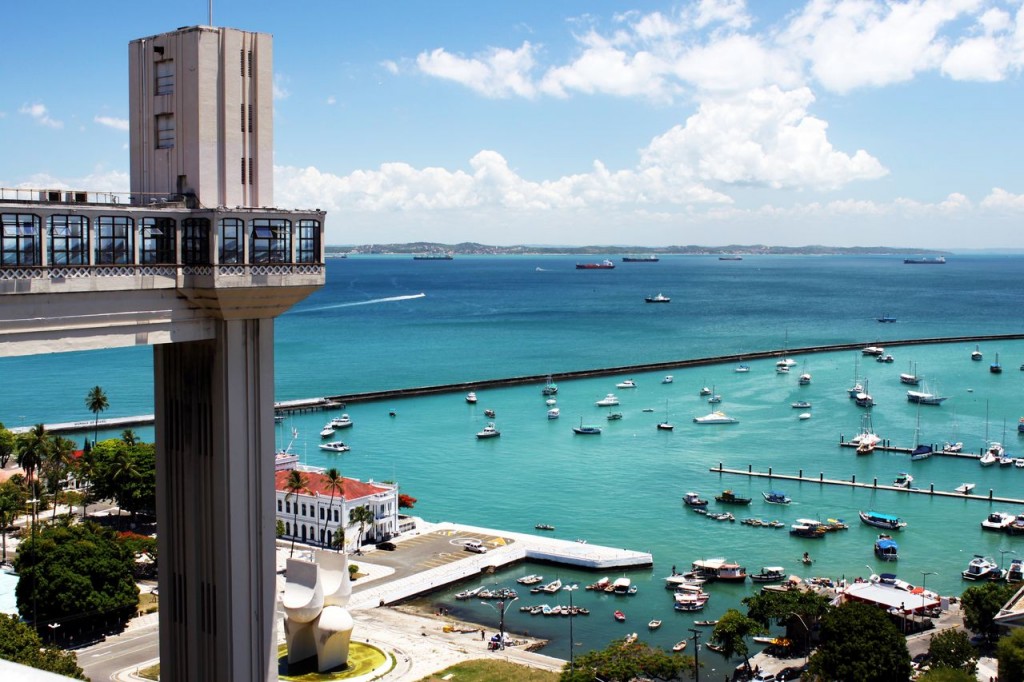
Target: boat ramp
{"type": "Point", "coordinates": [853, 483]}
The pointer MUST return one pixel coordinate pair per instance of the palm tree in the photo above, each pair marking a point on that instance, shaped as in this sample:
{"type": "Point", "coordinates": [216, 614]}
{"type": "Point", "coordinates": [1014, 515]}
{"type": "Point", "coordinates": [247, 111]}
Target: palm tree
{"type": "Point", "coordinates": [33, 448]}
{"type": "Point", "coordinates": [124, 472]}
{"type": "Point", "coordinates": [96, 401]}
{"type": "Point", "coordinates": [295, 484]}
{"type": "Point", "coordinates": [362, 516]}
{"type": "Point", "coordinates": [129, 437]}
{"type": "Point", "coordinates": [12, 500]}
{"type": "Point", "coordinates": [57, 466]}
{"type": "Point", "coordinates": [335, 483]}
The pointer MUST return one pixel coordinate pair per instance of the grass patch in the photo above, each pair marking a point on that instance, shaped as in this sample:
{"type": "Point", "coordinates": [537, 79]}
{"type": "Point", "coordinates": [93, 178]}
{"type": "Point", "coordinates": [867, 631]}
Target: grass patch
{"type": "Point", "coordinates": [148, 603]}
{"type": "Point", "coordinates": [150, 673]}
{"type": "Point", "coordinates": [490, 670]}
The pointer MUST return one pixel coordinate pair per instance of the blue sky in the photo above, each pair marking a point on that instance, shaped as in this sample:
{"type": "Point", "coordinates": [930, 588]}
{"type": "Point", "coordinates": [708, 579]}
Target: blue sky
{"type": "Point", "coordinates": [839, 122]}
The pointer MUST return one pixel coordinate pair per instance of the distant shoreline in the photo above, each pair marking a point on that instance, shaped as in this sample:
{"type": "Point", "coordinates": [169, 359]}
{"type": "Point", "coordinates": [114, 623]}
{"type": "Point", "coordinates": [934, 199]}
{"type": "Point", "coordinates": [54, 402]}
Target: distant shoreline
{"type": "Point", "coordinates": [474, 249]}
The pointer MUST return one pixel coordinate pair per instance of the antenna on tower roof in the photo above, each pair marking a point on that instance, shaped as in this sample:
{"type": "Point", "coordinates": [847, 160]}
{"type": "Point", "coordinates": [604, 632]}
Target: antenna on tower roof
{"type": "Point", "coordinates": [211, 12]}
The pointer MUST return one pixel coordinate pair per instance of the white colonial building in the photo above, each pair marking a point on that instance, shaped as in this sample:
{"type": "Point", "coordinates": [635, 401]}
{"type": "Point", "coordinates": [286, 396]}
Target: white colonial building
{"type": "Point", "coordinates": [314, 516]}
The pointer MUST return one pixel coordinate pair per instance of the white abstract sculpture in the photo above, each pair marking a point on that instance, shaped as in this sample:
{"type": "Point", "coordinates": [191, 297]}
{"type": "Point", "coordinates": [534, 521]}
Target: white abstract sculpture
{"type": "Point", "coordinates": [316, 621]}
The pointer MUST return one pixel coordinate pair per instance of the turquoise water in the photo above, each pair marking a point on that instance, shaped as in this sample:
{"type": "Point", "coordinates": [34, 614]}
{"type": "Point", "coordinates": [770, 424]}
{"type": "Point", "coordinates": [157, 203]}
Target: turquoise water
{"type": "Point", "coordinates": [479, 318]}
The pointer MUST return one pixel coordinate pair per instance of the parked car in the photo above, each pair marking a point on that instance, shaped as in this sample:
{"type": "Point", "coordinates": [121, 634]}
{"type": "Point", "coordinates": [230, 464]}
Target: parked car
{"type": "Point", "coordinates": [789, 674]}
{"type": "Point", "coordinates": [764, 677]}
{"type": "Point", "coordinates": [388, 545]}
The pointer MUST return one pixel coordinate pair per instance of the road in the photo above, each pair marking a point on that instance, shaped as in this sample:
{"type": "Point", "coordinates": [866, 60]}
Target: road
{"type": "Point", "coordinates": [133, 647]}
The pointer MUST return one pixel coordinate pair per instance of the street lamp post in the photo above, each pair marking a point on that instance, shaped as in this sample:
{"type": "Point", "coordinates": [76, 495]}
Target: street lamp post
{"type": "Point", "coordinates": [924, 585]}
{"type": "Point", "coordinates": [1002, 554]}
{"type": "Point", "coordinates": [807, 635]}
{"type": "Point", "coordinates": [572, 614]}
{"type": "Point", "coordinates": [696, 650]}
{"type": "Point", "coordinates": [503, 606]}
{"type": "Point", "coordinates": [35, 568]}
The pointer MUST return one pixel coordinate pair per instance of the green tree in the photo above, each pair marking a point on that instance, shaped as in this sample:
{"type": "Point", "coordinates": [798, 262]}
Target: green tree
{"type": "Point", "coordinates": [362, 516]}
{"type": "Point", "coordinates": [7, 441]}
{"type": "Point", "coordinates": [12, 501]}
{"type": "Point", "coordinates": [947, 675]}
{"type": "Point", "coordinates": [96, 401]}
{"type": "Point", "coordinates": [76, 576]}
{"type": "Point", "coordinates": [130, 437]}
{"type": "Point", "coordinates": [295, 484]}
{"type": "Point", "coordinates": [621, 662]}
{"type": "Point", "coordinates": [859, 642]}
{"type": "Point", "coordinates": [32, 449]}
{"type": "Point", "coordinates": [731, 634]}
{"type": "Point", "coordinates": [124, 473]}
{"type": "Point", "coordinates": [57, 466]}
{"type": "Point", "coordinates": [279, 528]}
{"type": "Point", "coordinates": [1010, 654]}
{"type": "Point", "coordinates": [952, 649]}
{"type": "Point", "coordinates": [981, 603]}
{"type": "Point", "coordinates": [336, 484]}
{"type": "Point", "coordinates": [799, 610]}
{"type": "Point", "coordinates": [21, 644]}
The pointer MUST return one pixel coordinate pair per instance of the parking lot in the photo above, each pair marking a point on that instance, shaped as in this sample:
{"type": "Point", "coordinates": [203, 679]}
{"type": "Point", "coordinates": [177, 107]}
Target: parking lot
{"type": "Point", "coordinates": [430, 550]}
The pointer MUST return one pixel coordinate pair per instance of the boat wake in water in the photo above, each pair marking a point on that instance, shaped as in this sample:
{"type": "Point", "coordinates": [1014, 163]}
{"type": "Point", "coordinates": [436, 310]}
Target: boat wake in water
{"type": "Point", "coordinates": [354, 303]}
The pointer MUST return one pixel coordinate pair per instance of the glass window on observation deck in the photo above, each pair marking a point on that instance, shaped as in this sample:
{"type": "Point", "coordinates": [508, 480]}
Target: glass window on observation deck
{"type": "Point", "coordinates": [157, 241]}
{"type": "Point", "coordinates": [307, 247]}
{"type": "Point", "coordinates": [20, 239]}
{"type": "Point", "coordinates": [271, 240]}
{"type": "Point", "coordinates": [114, 240]}
{"type": "Point", "coordinates": [69, 239]}
{"type": "Point", "coordinates": [231, 236]}
{"type": "Point", "coordinates": [195, 241]}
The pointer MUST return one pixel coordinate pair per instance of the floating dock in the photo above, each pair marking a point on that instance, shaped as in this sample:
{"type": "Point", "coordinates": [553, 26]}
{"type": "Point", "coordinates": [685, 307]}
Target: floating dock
{"type": "Point", "coordinates": [873, 485]}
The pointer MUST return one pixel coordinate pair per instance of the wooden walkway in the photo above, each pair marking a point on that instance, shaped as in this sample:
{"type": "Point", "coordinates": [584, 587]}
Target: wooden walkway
{"type": "Point", "coordinates": [872, 485]}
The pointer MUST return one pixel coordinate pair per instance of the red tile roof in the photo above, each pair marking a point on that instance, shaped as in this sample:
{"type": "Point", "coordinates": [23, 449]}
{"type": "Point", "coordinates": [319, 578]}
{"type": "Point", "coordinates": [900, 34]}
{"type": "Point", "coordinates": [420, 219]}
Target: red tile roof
{"type": "Point", "coordinates": [317, 483]}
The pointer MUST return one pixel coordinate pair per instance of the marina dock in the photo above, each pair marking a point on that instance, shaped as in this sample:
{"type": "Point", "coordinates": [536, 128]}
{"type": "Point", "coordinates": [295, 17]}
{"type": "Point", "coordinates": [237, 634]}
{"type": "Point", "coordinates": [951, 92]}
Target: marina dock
{"type": "Point", "coordinates": [853, 483]}
{"type": "Point", "coordinates": [523, 547]}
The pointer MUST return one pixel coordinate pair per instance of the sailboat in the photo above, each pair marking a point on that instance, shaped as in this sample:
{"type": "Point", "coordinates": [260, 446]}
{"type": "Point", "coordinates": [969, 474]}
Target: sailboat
{"type": "Point", "coordinates": [864, 399]}
{"type": "Point", "coordinates": [920, 451]}
{"type": "Point", "coordinates": [783, 365]}
{"type": "Point", "coordinates": [665, 425]}
{"type": "Point", "coordinates": [954, 445]}
{"type": "Point", "coordinates": [715, 398]}
{"type": "Point", "coordinates": [805, 378]}
{"type": "Point", "coordinates": [910, 377]}
{"type": "Point", "coordinates": [976, 355]}
{"type": "Point", "coordinates": [995, 367]}
{"type": "Point", "coordinates": [856, 388]}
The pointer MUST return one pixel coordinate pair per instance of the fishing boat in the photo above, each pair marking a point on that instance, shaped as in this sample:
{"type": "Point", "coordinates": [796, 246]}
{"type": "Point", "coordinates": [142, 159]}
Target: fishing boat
{"type": "Point", "coordinates": [982, 568]}
{"type": "Point", "coordinates": [586, 430]}
{"type": "Point", "coordinates": [692, 499]}
{"type": "Point", "coordinates": [964, 488]}
{"type": "Point", "coordinates": [489, 431]}
{"type": "Point", "coordinates": [880, 520]}
{"type": "Point", "coordinates": [550, 387]}
{"type": "Point", "coordinates": [335, 446]}
{"type": "Point", "coordinates": [660, 298]}
{"type": "Point", "coordinates": [886, 548]}
{"type": "Point", "coordinates": [776, 497]}
{"type": "Point", "coordinates": [610, 400]}
{"type": "Point", "coordinates": [729, 497]}
{"type": "Point", "coordinates": [769, 574]}
{"type": "Point", "coordinates": [716, 417]}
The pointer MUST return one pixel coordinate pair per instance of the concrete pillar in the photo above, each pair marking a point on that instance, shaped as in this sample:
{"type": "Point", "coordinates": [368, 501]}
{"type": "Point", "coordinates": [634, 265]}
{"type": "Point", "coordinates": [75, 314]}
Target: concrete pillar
{"type": "Point", "coordinates": [215, 478]}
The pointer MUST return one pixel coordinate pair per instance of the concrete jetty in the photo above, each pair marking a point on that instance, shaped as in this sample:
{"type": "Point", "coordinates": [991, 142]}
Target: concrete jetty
{"type": "Point", "coordinates": [853, 483]}
{"type": "Point", "coordinates": [525, 547]}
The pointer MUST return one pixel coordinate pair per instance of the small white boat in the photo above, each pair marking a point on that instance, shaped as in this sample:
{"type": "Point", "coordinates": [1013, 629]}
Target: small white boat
{"type": "Point", "coordinates": [903, 480]}
{"type": "Point", "coordinates": [679, 646]}
{"type": "Point", "coordinates": [801, 404]}
{"type": "Point", "coordinates": [550, 402]}
{"type": "Point", "coordinates": [804, 415]}
{"type": "Point", "coordinates": [668, 379]}
{"type": "Point", "coordinates": [804, 379]}
{"type": "Point", "coordinates": [327, 431]}
{"type": "Point", "coordinates": [654, 625]}
{"type": "Point", "coordinates": [982, 568]}
{"type": "Point", "coordinates": [873, 350]}
{"type": "Point", "coordinates": [665, 426]}
{"type": "Point", "coordinates": [608, 401]}
{"type": "Point", "coordinates": [554, 413]}
{"type": "Point", "coordinates": [628, 383]}
{"type": "Point", "coordinates": [964, 488]}
{"type": "Point", "coordinates": [997, 521]}
{"type": "Point", "coordinates": [489, 431]}
{"type": "Point", "coordinates": [335, 446]}
{"type": "Point", "coordinates": [704, 390]}
{"type": "Point", "coordinates": [716, 417]}
{"type": "Point", "coordinates": [742, 369]}
{"type": "Point", "coordinates": [660, 298]}
{"type": "Point", "coordinates": [976, 355]}
{"type": "Point", "coordinates": [715, 398]}
{"type": "Point", "coordinates": [342, 422]}
{"type": "Point", "coordinates": [471, 397]}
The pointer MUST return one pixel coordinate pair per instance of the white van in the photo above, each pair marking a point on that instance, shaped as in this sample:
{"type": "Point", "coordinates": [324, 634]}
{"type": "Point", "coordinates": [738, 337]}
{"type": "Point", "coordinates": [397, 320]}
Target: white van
{"type": "Point", "coordinates": [475, 546]}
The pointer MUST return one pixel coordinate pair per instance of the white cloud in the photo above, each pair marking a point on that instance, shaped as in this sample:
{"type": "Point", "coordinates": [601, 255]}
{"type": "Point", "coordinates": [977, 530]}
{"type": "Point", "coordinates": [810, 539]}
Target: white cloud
{"type": "Point", "coordinates": [331, 100]}
{"type": "Point", "coordinates": [732, 13]}
{"type": "Point", "coordinates": [603, 67]}
{"type": "Point", "coordinates": [280, 89]}
{"type": "Point", "coordinates": [1002, 201]}
{"type": "Point", "coordinates": [735, 63]}
{"type": "Point", "coordinates": [764, 138]}
{"type": "Point", "coordinates": [498, 73]}
{"type": "Point", "coordinates": [99, 180]}
{"type": "Point", "coordinates": [41, 115]}
{"type": "Point", "coordinates": [111, 122]}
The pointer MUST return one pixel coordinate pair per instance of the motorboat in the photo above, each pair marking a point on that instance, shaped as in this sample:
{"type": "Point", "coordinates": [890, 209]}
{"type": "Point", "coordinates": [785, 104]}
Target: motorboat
{"type": "Point", "coordinates": [665, 426]}
{"type": "Point", "coordinates": [489, 431]}
{"type": "Point", "coordinates": [992, 455]}
{"type": "Point", "coordinates": [489, 413]}
{"type": "Point", "coordinates": [953, 447]}
{"type": "Point", "coordinates": [704, 390]}
{"type": "Point", "coordinates": [668, 379]}
{"type": "Point", "coordinates": [903, 480]}
{"type": "Point", "coordinates": [769, 574]}
{"type": "Point", "coordinates": [544, 526]}
{"type": "Point", "coordinates": [335, 446]}
{"type": "Point", "coordinates": [1015, 573]}
{"type": "Point", "coordinates": [660, 298]}
{"type": "Point", "coordinates": [716, 417]}
{"type": "Point", "coordinates": [342, 422]}
{"type": "Point", "coordinates": [692, 499]}
{"type": "Point", "coordinates": [804, 415]}
{"type": "Point", "coordinates": [554, 413]}
{"type": "Point", "coordinates": [621, 585]}
{"type": "Point", "coordinates": [1006, 461]}
{"type": "Point", "coordinates": [327, 431]}
{"type": "Point", "coordinates": [880, 520]}
{"type": "Point", "coordinates": [608, 401]}
{"type": "Point", "coordinates": [886, 548]}
{"type": "Point", "coordinates": [801, 405]}
{"type": "Point", "coordinates": [742, 369]}
{"type": "Point", "coordinates": [866, 447]}
{"type": "Point", "coordinates": [785, 362]}
{"type": "Point", "coordinates": [982, 568]}
{"type": "Point", "coordinates": [976, 354]}
{"type": "Point", "coordinates": [873, 350]}
{"type": "Point", "coordinates": [684, 581]}
{"type": "Point", "coordinates": [471, 398]}
{"type": "Point", "coordinates": [729, 497]}
{"type": "Point", "coordinates": [776, 497]}
{"type": "Point", "coordinates": [997, 521]}
{"type": "Point", "coordinates": [781, 369]}
{"type": "Point", "coordinates": [885, 358]}
{"type": "Point", "coordinates": [964, 488]}
{"type": "Point", "coordinates": [614, 416]}
{"type": "Point", "coordinates": [550, 402]}
{"type": "Point", "coordinates": [627, 383]}
{"type": "Point", "coordinates": [706, 623]}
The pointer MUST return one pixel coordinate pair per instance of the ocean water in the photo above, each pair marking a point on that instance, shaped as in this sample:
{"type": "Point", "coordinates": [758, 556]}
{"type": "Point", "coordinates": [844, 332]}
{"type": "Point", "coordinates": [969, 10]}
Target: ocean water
{"type": "Point", "coordinates": [391, 322]}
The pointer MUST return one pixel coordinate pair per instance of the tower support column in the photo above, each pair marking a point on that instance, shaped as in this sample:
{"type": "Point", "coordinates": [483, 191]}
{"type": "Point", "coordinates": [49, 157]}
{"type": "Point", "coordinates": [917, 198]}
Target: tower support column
{"type": "Point", "coordinates": [215, 495]}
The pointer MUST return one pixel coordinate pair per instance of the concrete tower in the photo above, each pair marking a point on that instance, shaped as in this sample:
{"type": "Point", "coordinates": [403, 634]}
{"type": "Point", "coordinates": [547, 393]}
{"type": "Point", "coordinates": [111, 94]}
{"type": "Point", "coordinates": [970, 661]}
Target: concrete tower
{"type": "Point", "coordinates": [192, 267]}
